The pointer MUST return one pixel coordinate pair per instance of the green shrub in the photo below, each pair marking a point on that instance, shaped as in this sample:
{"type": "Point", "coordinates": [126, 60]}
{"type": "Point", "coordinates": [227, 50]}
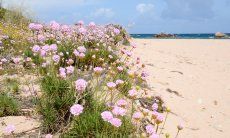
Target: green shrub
{"type": "Point", "coordinates": [2, 12]}
{"type": "Point", "coordinates": [90, 124]}
{"type": "Point", "coordinates": [127, 85]}
{"type": "Point", "coordinates": [55, 102]}
{"type": "Point", "coordinates": [12, 85]}
{"type": "Point", "coordinates": [35, 58]}
{"type": "Point", "coordinates": [8, 105]}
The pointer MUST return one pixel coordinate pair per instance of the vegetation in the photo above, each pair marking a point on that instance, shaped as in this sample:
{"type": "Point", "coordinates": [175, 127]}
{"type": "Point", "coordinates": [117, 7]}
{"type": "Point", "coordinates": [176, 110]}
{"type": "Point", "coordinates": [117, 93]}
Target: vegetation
{"type": "Point", "coordinates": [55, 102]}
{"type": "Point", "coordinates": [90, 85]}
{"type": "Point", "coordinates": [8, 105]}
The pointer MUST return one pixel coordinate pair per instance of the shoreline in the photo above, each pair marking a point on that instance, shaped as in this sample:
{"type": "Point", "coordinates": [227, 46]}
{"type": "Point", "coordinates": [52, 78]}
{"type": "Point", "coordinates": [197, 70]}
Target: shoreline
{"type": "Point", "coordinates": [183, 38]}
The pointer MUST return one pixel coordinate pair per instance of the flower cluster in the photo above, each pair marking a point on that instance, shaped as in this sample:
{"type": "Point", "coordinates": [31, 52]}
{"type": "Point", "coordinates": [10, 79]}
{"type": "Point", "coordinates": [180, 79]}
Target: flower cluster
{"type": "Point", "coordinates": [118, 111]}
{"type": "Point", "coordinates": [80, 85]}
{"type": "Point", "coordinates": [76, 109]}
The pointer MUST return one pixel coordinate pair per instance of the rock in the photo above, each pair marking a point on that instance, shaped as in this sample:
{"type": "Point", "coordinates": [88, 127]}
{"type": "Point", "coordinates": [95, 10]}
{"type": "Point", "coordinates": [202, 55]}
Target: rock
{"type": "Point", "coordinates": [220, 35]}
{"type": "Point", "coordinates": [21, 123]}
{"type": "Point", "coordinates": [163, 35]}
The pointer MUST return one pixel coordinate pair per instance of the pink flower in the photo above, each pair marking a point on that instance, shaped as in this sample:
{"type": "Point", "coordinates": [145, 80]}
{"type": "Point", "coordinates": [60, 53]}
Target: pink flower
{"type": "Point", "coordinates": [116, 31]}
{"type": "Point", "coordinates": [31, 26]}
{"type": "Point", "coordinates": [70, 62]}
{"type": "Point", "coordinates": [62, 72]}
{"type": "Point", "coordinates": [115, 122]}
{"type": "Point", "coordinates": [107, 116]}
{"type": "Point", "coordinates": [48, 136]}
{"type": "Point", "coordinates": [41, 38]}
{"type": "Point", "coordinates": [80, 85]}
{"type": "Point", "coordinates": [16, 60]}
{"type": "Point", "coordinates": [155, 106]}
{"type": "Point", "coordinates": [98, 70]}
{"type": "Point", "coordinates": [56, 58]}
{"type": "Point", "coordinates": [91, 24]}
{"type": "Point", "coordinates": [39, 27]}
{"type": "Point", "coordinates": [69, 70]}
{"type": "Point", "coordinates": [76, 53]}
{"type": "Point", "coordinates": [9, 129]}
{"type": "Point", "coordinates": [111, 85]}
{"type": "Point", "coordinates": [82, 30]}
{"type": "Point", "coordinates": [36, 49]}
{"type": "Point", "coordinates": [154, 114]}
{"type": "Point", "coordinates": [81, 55]}
{"type": "Point", "coordinates": [180, 126]}
{"type": "Point", "coordinates": [62, 69]}
{"type": "Point", "coordinates": [53, 47]}
{"type": "Point", "coordinates": [118, 82]}
{"type": "Point", "coordinates": [159, 119]}
{"type": "Point", "coordinates": [65, 28]}
{"type": "Point", "coordinates": [118, 111]}
{"type": "Point", "coordinates": [120, 68]}
{"type": "Point", "coordinates": [150, 129]}
{"type": "Point", "coordinates": [122, 103]}
{"type": "Point", "coordinates": [54, 25]}
{"type": "Point", "coordinates": [145, 111]}
{"type": "Point", "coordinates": [137, 115]}
{"type": "Point", "coordinates": [35, 27]}
{"type": "Point", "coordinates": [43, 53]}
{"type": "Point", "coordinates": [4, 60]}
{"type": "Point", "coordinates": [128, 53]}
{"type": "Point", "coordinates": [81, 49]}
{"type": "Point", "coordinates": [76, 109]}
{"type": "Point", "coordinates": [46, 48]}
{"type": "Point", "coordinates": [132, 93]}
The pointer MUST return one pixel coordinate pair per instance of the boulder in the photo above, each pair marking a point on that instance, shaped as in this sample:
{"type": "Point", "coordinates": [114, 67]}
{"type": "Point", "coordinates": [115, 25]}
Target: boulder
{"type": "Point", "coordinates": [163, 35]}
{"type": "Point", "coordinates": [219, 35]}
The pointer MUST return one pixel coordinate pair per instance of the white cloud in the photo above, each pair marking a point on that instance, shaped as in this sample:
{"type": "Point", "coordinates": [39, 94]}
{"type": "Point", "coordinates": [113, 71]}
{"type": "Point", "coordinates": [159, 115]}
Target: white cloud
{"type": "Point", "coordinates": [103, 12]}
{"type": "Point", "coordinates": [143, 8]}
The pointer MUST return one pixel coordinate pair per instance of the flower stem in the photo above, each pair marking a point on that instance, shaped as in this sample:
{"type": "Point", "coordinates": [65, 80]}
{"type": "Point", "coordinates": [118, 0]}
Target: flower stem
{"type": "Point", "coordinates": [164, 122]}
{"type": "Point", "coordinates": [157, 128]}
{"type": "Point", "coordinates": [177, 133]}
{"type": "Point", "coordinates": [132, 110]}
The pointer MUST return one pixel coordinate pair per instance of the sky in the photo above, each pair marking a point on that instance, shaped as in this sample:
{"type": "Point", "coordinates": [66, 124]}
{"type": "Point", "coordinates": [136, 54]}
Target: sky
{"type": "Point", "coordinates": [137, 16]}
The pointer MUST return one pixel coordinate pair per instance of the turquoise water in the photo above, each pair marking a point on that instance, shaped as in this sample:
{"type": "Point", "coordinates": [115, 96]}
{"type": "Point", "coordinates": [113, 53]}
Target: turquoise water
{"type": "Point", "coordinates": [180, 36]}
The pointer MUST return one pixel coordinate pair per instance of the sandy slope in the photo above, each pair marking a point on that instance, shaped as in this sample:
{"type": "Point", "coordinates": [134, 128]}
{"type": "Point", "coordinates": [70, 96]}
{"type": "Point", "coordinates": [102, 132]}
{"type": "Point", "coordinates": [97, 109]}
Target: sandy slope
{"type": "Point", "coordinates": [199, 70]}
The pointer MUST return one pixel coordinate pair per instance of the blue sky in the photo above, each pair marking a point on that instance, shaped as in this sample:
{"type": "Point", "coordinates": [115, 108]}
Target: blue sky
{"type": "Point", "coordinates": [137, 16]}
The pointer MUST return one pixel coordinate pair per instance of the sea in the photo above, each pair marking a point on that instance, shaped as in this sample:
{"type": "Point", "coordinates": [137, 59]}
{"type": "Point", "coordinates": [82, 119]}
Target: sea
{"type": "Point", "coordinates": [180, 36]}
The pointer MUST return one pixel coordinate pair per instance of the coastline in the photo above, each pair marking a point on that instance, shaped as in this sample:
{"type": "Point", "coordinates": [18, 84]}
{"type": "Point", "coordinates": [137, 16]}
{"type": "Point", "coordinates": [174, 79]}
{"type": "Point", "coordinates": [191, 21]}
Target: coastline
{"type": "Point", "coordinates": [181, 36]}
{"type": "Point", "coordinates": [192, 76]}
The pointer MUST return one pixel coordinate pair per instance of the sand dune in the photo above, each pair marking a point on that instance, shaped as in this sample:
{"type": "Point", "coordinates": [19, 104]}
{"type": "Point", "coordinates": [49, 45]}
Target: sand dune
{"type": "Point", "coordinates": [193, 77]}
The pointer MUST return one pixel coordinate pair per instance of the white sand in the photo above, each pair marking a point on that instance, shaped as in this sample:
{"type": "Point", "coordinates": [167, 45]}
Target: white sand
{"type": "Point", "coordinates": [199, 70]}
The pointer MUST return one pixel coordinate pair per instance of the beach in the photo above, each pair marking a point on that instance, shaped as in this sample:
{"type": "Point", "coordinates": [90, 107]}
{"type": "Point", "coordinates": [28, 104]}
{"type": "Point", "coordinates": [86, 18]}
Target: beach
{"type": "Point", "coordinates": [193, 78]}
